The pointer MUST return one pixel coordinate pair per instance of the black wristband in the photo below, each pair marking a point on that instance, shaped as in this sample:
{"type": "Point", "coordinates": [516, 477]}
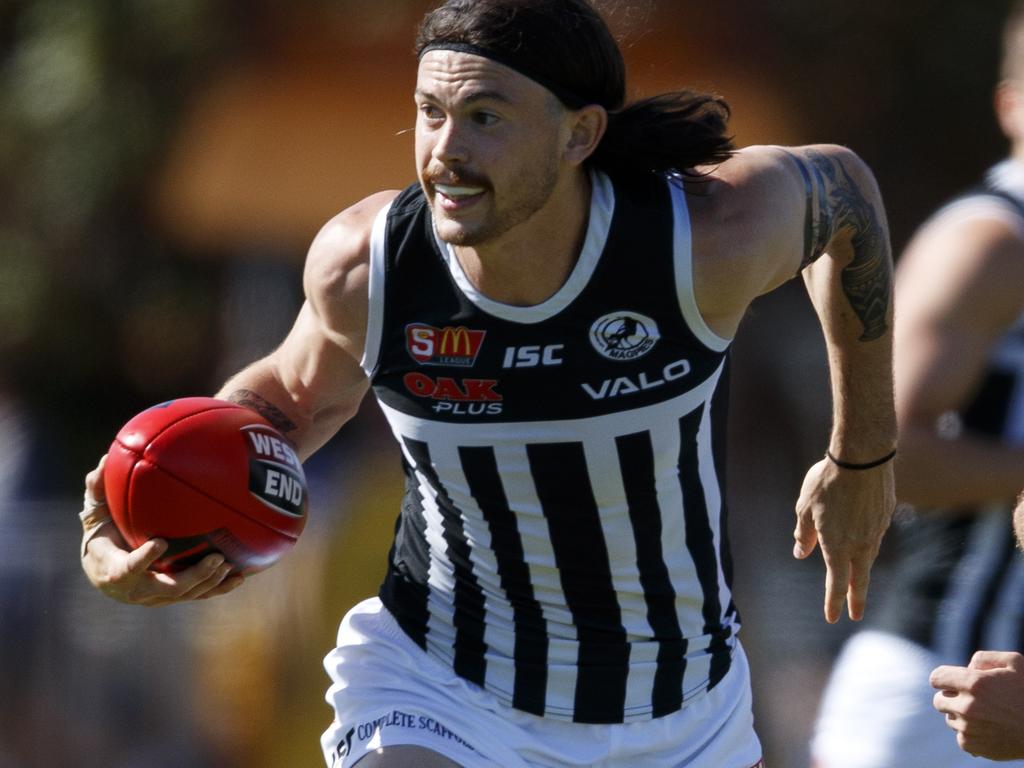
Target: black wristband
{"type": "Point", "coordinates": [867, 465]}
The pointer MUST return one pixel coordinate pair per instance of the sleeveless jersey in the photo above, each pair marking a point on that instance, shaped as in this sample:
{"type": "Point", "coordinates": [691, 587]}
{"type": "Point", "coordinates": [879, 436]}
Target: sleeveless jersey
{"type": "Point", "coordinates": [562, 540]}
{"type": "Point", "coordinates": [957, 582]}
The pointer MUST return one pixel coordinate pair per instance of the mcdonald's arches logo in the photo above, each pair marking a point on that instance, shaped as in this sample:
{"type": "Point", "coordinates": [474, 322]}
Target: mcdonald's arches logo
{"type": "Point", "coordinates": [450, 345]}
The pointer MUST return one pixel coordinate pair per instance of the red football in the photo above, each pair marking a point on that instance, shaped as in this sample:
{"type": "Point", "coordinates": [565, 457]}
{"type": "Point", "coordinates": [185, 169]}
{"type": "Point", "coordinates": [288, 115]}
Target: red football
{"type": "Point", "coordinates": [206, 475]}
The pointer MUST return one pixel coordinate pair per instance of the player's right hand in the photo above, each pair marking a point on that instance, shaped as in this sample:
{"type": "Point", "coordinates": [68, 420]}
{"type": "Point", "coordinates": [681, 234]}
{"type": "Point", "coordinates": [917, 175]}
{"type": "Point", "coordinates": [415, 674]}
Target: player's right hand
{"type": "Point", "coordinates": [844, 513]}
{"type": "Point", "coordinates": [124, 574]}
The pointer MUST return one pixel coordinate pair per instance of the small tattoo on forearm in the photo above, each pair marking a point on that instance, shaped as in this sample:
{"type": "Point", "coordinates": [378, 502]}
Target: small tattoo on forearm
{"type": "Point", "coordinates": [269, 411]}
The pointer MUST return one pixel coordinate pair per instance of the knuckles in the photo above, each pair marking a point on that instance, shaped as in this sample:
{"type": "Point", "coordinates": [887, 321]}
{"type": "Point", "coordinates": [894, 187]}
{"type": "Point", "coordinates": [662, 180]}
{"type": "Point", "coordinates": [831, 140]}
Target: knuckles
{"type": "Point", "coordinates": [968, 708]}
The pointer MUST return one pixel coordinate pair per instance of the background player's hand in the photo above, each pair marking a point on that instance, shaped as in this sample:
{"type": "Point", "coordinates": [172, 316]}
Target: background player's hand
{"type": "Point", "coordinates": [846, 512]}
{"type": "Point", "coordinates": [984, 703]}
{"type": "Point", "coordinates": [123, 574]}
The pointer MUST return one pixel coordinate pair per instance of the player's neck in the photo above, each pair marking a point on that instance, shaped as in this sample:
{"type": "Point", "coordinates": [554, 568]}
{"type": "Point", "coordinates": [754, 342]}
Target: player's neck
{"type": "Point", "coordinates": [529, 263]}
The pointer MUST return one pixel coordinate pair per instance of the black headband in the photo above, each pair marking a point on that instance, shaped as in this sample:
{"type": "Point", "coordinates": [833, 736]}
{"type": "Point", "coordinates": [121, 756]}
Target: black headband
{"type": "Point", "coordinates": [567, 96]}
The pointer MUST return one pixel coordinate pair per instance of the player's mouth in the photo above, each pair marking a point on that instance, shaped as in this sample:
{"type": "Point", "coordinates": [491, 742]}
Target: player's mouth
{"type": "Point", "coordinates": [453, 197]}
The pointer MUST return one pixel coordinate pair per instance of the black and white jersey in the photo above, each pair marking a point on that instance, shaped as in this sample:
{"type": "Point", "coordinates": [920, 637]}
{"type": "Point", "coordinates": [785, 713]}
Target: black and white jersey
{"type": "Point", "coordinates": [958, 582]}
{"type": "Point", "coordinates": [562, 541]}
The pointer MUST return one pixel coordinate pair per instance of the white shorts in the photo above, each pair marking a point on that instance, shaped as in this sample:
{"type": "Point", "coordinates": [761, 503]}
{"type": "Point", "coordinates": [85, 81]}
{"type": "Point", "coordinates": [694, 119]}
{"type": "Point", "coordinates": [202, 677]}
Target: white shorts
{"type": "Point", "coordinates": [877, 711]}
{"type": "Point", "coordinates": [386, 691]}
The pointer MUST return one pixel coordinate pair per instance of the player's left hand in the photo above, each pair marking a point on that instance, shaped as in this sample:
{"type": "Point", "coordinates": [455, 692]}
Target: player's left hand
{"type": "Point", "coordinates": [124, 574]}
{"type": "Point", "coordinates": [846, 512]}
{"type": "Point", "coordinates": [984, 703]}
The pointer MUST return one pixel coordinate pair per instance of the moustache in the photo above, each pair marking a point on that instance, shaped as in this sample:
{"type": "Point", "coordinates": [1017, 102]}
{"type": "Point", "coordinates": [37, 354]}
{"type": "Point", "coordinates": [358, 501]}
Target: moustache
{"type": "Point", "coordinates": [456, 179]}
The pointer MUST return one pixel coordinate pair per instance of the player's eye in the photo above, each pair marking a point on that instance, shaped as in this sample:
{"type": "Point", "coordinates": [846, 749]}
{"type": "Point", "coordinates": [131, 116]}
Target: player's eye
{"type": "Point", "coordinates": [485, 118]}
{"type": "Point", "coordinates": [430, 112]}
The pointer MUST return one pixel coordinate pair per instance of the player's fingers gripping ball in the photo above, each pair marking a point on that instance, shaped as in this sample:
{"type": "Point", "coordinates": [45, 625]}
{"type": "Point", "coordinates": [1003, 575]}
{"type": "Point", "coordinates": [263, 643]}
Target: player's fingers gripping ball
{"type": "Point", "coordinates": [206, 475]}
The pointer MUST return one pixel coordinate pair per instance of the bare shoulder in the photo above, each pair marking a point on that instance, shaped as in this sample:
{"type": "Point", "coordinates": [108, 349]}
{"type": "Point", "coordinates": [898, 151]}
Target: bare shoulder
{"type": "Point", "coordinates": [755, 201]}
{"type": "Point", "coordinates": [337, 270]}
{"type": "Point", "coordinates": [968, 233]}
{"type": "Point", "coordinates": [750, 167]}
{"type": "Point", "coordinates": [747, 219]}
{"type": "Point", "coordinates": [769, 211]}
{"type": "Point", "coordinates": [965, 265]}
{"type": "Point", "coordinates": [759, 180]}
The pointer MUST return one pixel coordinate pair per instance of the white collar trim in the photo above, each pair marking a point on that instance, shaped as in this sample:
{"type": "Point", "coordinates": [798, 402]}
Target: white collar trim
{"type": "Point", "coordinates": [602, 207]}
{"type": "Point", "coordinates": [1008, 176]}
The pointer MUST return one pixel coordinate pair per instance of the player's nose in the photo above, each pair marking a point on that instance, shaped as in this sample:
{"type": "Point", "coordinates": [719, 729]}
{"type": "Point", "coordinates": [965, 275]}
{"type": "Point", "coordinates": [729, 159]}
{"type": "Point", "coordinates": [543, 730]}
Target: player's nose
{"type": "Point", "coordinates": [451, 145]}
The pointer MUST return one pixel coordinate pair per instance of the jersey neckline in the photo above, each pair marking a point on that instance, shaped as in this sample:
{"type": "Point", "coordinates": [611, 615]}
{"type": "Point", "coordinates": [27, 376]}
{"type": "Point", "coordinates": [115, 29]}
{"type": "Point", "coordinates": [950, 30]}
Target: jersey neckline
{"type": "Point", "coordinates": [1008, 175]}
{"type": "Point", "coordinates": [602, 207]}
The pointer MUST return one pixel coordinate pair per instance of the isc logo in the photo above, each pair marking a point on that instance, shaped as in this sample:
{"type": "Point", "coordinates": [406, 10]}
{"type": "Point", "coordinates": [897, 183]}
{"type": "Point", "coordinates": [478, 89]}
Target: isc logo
{"type": "Point", "coordinates": [428, 345]}
{"type": "Point", "coordinates": [532, 356]}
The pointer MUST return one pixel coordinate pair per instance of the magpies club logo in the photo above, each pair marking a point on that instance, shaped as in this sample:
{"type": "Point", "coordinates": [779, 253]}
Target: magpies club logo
{"type": "Point", "coordinates": [623, 335]}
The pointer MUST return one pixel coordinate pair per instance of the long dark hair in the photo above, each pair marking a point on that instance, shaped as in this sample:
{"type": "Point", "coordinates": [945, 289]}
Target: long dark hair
{"type": "Point", "coordinates": [566, 46]}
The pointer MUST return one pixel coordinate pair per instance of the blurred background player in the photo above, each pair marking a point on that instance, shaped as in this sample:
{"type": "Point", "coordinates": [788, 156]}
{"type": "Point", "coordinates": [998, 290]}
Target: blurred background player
{"type": "Point", "coordinates": [984, 701]}
{"type": "Point", "coordinates": [957, 584]}
{"type": "Point", "coordinates": [527, 554]}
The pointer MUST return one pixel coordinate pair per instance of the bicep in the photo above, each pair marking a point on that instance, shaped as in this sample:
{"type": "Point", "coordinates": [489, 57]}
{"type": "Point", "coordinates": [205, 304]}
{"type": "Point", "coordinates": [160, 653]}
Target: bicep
{"type": "Point", "coordinates": [845, 220]}
{"type": "Point", "coordinates": [747, 233]}
{"type": "Point", "coordinates": [937, 366]}
{"type": "Point", "coordinates": [806, 202]}
{"type": "Point", "coordinates": [314, 381]}
{"type": "Point", "coordinates": [318, 363]}
{"type": "Point", "coordinates": [321, 369]}
{"type": "Point", "coordinates": [957, 293]}
{"type": "Point", "coordinates": [307, 388]}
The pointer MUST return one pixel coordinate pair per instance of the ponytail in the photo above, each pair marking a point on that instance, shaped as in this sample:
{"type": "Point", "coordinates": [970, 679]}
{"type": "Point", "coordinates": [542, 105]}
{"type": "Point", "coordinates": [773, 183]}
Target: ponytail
{"type": "Point", "coordinates": [671, 132]}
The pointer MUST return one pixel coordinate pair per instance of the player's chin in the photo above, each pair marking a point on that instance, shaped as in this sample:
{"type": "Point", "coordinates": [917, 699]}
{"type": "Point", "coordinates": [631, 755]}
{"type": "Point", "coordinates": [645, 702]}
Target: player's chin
{"type": "Point", "coordinates": [459, 233]}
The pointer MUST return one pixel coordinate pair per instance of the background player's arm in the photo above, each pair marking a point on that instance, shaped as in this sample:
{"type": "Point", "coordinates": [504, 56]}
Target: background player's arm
{"type": "Point", "coordinates": [308, 387]}
{"type": "Point", "coordinates": [958, 288]}
{"type": "Point", "coordinates": [779, 211]}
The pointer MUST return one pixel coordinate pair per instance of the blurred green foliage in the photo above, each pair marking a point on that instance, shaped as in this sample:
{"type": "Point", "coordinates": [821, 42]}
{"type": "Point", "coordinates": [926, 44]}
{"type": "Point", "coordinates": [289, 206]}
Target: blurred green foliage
{"type": "Point", "coordinates": [90, 93]}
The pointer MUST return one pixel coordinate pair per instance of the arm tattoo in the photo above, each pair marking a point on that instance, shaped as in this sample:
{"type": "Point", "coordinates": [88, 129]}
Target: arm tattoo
{"type": "Point", "coordinates": [818, 220]}
{"type": "Point", "coordinates": [835, 203]}
{"type": "Point", "coordinates": [269, 411]}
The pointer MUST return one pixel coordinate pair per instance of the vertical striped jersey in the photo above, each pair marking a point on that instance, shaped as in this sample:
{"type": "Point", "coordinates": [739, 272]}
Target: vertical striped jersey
{"type": "Point", "coordinates": [562, 540]}
{"type": "Point", "coordinates": [957, 583]}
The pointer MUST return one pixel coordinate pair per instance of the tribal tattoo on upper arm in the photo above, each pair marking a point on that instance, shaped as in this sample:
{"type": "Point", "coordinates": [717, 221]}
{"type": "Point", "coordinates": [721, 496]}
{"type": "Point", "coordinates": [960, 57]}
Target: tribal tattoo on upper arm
{"type": "Point", "coordinates": [266, 409]}
{"type": "Point", "coordinates": [836, 203]}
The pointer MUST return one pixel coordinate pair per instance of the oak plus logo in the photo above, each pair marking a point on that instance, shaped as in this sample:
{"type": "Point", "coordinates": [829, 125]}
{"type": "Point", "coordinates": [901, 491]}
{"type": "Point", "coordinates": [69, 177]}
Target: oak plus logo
{"type": "Point", "coordinates": [456, 397]}
{"type": "Point", "coordinates": [624, 335]}
{"type": "Point", "coordinates": [451, 345]}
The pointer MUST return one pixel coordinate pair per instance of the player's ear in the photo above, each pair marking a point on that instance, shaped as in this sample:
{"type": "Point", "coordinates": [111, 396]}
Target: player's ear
{"type": "Point", "coordinates": [587, 127]}
{"type": "Point", "coordinates": [1009, 104]}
